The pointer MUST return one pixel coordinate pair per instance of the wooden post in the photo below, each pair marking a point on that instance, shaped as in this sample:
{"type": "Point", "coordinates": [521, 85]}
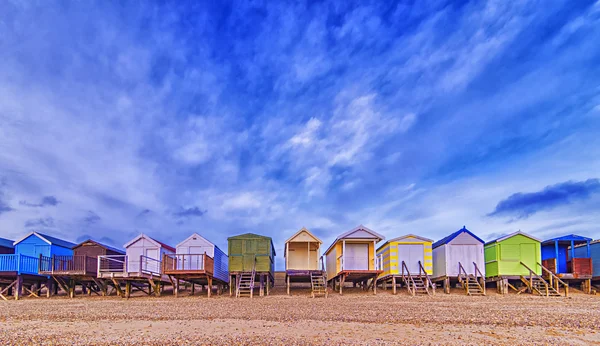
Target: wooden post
{"type": "Point", "coordinates": [447, 285]}
{"type": "Point", "coordinates": [176, 287]}
{"type": "Point", "coordinates": [287, 279]}
{"type": "Point", "coordinates": [19, 288]}
{"type": "Point", "coordinates": [210, 284]}
{"type": "Point", "coordinates": [342, 280]}
{"type": "Point", "coordinates": [262, 285]}
{"type": "Point", "coordinates": [48, 288]}
{"type": "Point", "coordinates": [375, 285]}
{"type": "Point", "coordinates": [268, 283]}
{"type": "Point", "coordinates": [127, 289]}
{"type": "Point", "coordinates": [231, 285]}
{"type": "Point", "coordinates": [193, 287]}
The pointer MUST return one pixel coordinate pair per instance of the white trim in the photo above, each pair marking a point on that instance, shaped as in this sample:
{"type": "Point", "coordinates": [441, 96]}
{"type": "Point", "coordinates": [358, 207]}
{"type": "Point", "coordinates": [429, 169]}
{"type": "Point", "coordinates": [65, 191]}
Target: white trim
{"type": "Point", "coordinates": [142, 235]}
{"type": "Point", "coordinates": [303, 229]}
{"type": "Point", "coordinates": [190, 237]}
{"type": "Point", "coordinates": [512, 235]}
{"type": "Point", "coordinates": [410, 236]}
{"type": "Point", "coordinates": [29, 235]}
{"type": "Point", "coordinates": [346, 234]}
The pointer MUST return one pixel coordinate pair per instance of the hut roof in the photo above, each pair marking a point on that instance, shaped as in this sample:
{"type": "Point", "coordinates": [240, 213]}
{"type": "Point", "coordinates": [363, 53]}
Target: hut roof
{"type": "Point", "coordinates": [348, 235]}
{"type": "Point", "coordinates": [254, 236]}
{"type": "Point", "coordinates": [512, 235]}
{"type": "Point", "coordinates": [568, 239]}
{"type": "Point", "coordinates": [6, 243]}
{"type": "Point", "coordinates": [142, 235]}
{"type": "Point", "coordinates": [303, 229]}
{"type": "Point", "coordinates": [48, 239]}
{"type": "Point", "coordinates": [451, 237]}
{"type": "Point", "coordinates": [100, 244]}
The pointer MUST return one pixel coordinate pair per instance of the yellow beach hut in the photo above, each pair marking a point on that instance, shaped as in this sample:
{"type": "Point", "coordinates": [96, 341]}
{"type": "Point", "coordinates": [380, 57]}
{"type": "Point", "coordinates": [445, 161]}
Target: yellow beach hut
{"type": "Point", "coordinates": [351, 258]}
{"type": "Point", "coordinates": [407, 260]}
{"type": "Point", "coordinates": [302, 253]}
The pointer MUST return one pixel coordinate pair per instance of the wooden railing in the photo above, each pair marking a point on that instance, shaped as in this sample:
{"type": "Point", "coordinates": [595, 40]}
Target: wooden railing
{"type": "Point", "coordinates": [462, 274]}
{"type": "Point", "coordinates": [19, 263]}
{"type": "Point", "coordinates": [112, 264]}
{"type": "Point", "coordinates": [172, 264]}
{"type": "Point", "coordinates": [480, 277]}
{"type": "Point", "coordinates": [423, 273]}
{"type": "Point", "coordinates": [341, 259]}
{"type": "Point", "coordinates": [72, 265]}
{"type": "Point", "coordinates": [408, 279]}
{"type": "Point", "coordinates": [555, 281]}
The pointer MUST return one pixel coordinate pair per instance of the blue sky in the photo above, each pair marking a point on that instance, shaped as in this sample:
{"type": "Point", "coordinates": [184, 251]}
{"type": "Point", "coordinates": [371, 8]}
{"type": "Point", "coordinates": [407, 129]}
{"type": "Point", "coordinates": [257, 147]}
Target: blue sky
{"type": "Point", "coordinates": [223, 118]}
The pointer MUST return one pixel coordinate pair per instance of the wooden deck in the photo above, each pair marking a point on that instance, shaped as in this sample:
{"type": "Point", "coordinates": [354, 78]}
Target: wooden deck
{"type": "Point", "coordinates": [300, 276]}
{"type": "Point", "coordinates": [18, 285]}
{"type": "Point", "coordinates": [361, 277]}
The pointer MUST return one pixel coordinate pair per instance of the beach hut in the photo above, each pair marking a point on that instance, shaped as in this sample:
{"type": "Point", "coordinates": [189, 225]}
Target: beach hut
{"type": "Point", "coordinates": [80, 268]}
{"type": "Point", "coordinates": [593, 251]}
{"type": "Point", "coordinates": [516, 258]}
{"type": "Point", "coordinates": [407, 260]}
{"type": "Point", "coordinates": [302, 253]}
{"type": "Point", "coordinates": [21, 268]}
{"type": "Point", "coordinates": [251, 256]}
{"type": "Point", "coordinates": [458, 258]}
{"type": "Point", "coordinates": [559, 257]}
{"type": "Point", "coordinates": [351, 258]}
{"type": "Point", "coordinates": [141, 264]}
{"type": "Point", "coordinates": [197, 261]}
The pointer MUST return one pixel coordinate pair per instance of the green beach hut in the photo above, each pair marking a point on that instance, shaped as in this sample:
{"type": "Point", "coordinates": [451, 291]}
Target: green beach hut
{"type": "Point", "coordinates": [515, 260]}
{"type": "Point", "coordinates": [251, 257]}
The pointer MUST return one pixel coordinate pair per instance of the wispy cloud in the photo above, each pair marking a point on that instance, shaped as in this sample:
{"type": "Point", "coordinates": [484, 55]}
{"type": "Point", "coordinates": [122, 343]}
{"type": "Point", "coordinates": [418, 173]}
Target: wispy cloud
{"type": "Point", "coordinates": [190, 212]}
{"type": "Point", "coordinates": [47, 222]}
{"type": "Point", "coordinates": [46, 201]}
{"type": "Point", "coordinates": [523, 205]}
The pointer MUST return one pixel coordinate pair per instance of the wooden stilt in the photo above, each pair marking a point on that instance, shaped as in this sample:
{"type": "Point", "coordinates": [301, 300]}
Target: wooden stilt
{"type": "Point", "coordinates": [193, 288]}
{"type": "Point", "coordinates": [447, 285]}
{"type": "Point", "coordinates": [393, 285]}
{"type": "Point", "coordinates": [210, 283]}
{"type": "Point", "coordinates": [342, 280]}
{"type": "Point", "coordinates": [48, 288]}
{"type": "Point", "coordinates": [262, 285]}
{"type": "Point", "coordinates": [288, 285]}
{"type": "Point", "coordinates": [268, 283]}
{"type": "Point", "coordinates": [19, 287]}
{"type": "Point", "coordinates": [127, 289]}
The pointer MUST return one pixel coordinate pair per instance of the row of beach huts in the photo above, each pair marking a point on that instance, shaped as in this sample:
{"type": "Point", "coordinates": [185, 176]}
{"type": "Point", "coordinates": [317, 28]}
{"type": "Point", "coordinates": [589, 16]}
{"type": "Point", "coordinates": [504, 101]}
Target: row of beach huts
{"type": "Point", "coordinates": [39, 264]}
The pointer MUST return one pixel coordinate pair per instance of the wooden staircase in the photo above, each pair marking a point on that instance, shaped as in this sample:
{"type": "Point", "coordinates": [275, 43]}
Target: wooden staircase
{"type": "Point", "coordinates": [245, 283]}
{"type": "Point", "coordinates": [419, 283]}
{"type": "Point", "coordinates": [536, 284]}
{"type": "Point", "coordinates": [474, 284]}
{"type": "Point", "coordinates": [318, 284]}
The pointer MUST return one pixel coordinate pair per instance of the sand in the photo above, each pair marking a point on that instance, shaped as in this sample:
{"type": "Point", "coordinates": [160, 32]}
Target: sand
{"type": "Point", "coordinates": [355, 318]}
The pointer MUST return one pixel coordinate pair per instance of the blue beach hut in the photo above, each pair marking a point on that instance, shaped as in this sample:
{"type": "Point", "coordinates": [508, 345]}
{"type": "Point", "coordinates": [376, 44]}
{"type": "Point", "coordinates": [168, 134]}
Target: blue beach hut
{"type": "Point", "coordinates": [21, 269]}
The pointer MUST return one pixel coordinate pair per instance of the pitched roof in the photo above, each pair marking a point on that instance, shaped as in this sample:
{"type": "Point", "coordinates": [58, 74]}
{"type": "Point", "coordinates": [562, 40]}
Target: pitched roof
{"type": "Point", "coordinates": [303, 229]}
{"type": "Point", "coordinates": [345, 235]}
{"type": "Point", "coordinates": [568, 238]}
{"type": "Point", "coordinates": [100, 244]}
{"type": "Point", "coordinates": [451, 237]}
{"type": "Point", "coordinates": [6, 243]}
{"type": "Point", "coordinates": [48, 239]}
{"type": "Point", "coordinates": [512, 235]}
{"type": "Point", "coordinates": [142, 235]}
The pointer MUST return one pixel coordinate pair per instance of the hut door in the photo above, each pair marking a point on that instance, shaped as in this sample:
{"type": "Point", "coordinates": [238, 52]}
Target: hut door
{"type": "Point", "coordinates": [357, 257]}
{"type": "Point", "coordinates": [149, 263]}
{"type": "Point", "coordinates": [411, 254]}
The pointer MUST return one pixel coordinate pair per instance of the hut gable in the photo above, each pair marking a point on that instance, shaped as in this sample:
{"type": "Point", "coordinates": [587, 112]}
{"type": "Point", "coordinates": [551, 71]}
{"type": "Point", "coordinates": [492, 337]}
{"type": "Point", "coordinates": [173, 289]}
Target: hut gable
{"type": "Point", "coordinates": [353, 250]}
{"type": "Point", "coordinates": [410, 249]}
{"type": "Point", "coordinates": [304, 235]}
{"type": "Point", "coordinates": [35, 244]}
{"type": "Point", "coordinates": [462, 236]}
{"type": "Point", "coordinates": [92, 248]}
{"type": "Point", "coordinates": [196, 245]}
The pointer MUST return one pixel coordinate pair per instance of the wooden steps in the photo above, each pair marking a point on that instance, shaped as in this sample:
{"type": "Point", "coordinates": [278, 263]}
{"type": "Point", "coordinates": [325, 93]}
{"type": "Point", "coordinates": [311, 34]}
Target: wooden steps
{"type": "Point", "coordinates": [418, 283]}
{"type": "Point", "coordinates": [245, 285]}
{"type": "Point", "coordinates": [472, 286]}
{"type": "Point", "coordinates": [318, 284]}
{"type": "Point", "coordinates": [541, 287]}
